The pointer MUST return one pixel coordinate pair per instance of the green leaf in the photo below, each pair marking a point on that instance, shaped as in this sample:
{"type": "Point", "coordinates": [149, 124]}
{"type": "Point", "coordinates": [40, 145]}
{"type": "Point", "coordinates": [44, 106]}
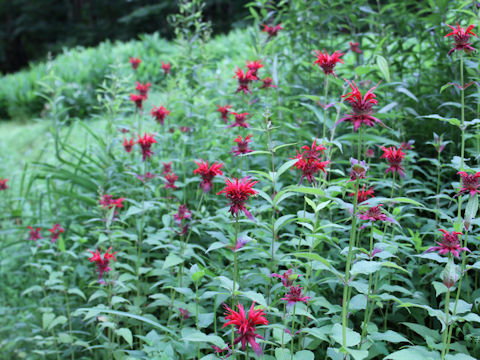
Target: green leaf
{"type": "Point", "coordinates": [414, 352]}
{"type": "Point", "coordinates": [284, 168]}
{"type": "Point", "coordinates": [383, 66]}
{"type": "Point", "coordinates": [257, 297]}
{"type": "Point", "coordinates": [77, 291]}
{"type": "Point", "coordinates": [389, 336]}
{"type": "Point", "coordinates": [304, 355]}
{"type": "Point", "coordinates": [308, 190]}
{"type": "Point", "coordinates": [365, 267]}
{"type": "Point", "coordinates": [471, 211]}
{"type": "Point", "coordinates": [198, 336]}
{"type": "Point", "coordinates": [60, 320]}
{"type": "Point", "coordinates": [172, 260]}
{"type": "Point", "coordinates": [440, 288]}
{"type": "Point", "coordinates": [282, 354]}
{"type": "Point", "coordinates": [353, 338]}
{"type": "Point", "coordinates": [47, 318]}
{"type": "Point", "coordinates": [126, 334]}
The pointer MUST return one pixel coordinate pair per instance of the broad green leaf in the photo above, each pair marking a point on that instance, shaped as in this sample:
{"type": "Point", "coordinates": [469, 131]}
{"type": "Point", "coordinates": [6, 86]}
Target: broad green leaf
{"type": "Point", "coordinates": [198, 336]}
{"type": "Point", "coordinates": [172, 260]}
{"type": "Point", "coordinates": [353, 338]}
{"type": "Point", "coordinates": [126, 334]}
{"type": "Point", "coordinates": [383, 66]}
{"type": "Point", "coordinates": [257, 297]}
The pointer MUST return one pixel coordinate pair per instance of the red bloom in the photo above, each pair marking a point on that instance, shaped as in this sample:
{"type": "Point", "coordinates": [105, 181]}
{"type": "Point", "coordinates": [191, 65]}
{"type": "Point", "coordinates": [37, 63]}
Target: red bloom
{"type": "Point", "coordinates": [370, 153]}
{"type": "Point", "coordinates": [171, 178]}
{"type": "Point", "coordinates": [295, 295]}
{"type": "Point", "coordinates": [450, 244]}
{"type": "Point", "coordinates": [184, 313]}
{"type": "Point", "coordinates": [145, 177]}
{"type": "Point", "coordinates": [224, 110]}
{"type": "Point", "coordinates": [183, 213]}
{"type": "Point", "coordinates": [354, 47]}
{"type": "Point", "coordinates": [146, 143]}
{"type": "Point", "coordinates": [470, 183]}
{"type": "Point", "coordinates": [123, 130]}
{"type": "Point", "coordinates": [363, 194]}
{"type": "Point", "coordinates": [138, 100]}
{"type": "Point", "coordinates": [244, 80]}
{"type": "Point", "coordinates": [143, 89]}
{"type": "Point", "coordinates": [242, 145]}
{"type": "Point", "coordinates": [268, 83]}
{"type": "Point", "coordinates": [375, 214]}
{"type": "Point", "coordinates": [207, 173]}
{"type": "Point", "coordinates": [288, 277]}
{"type": "Point", "coordinates": [238, 191]}
{"type": "Point", "coordinates": [128, 145]}
{"type": "Point", "coordinates": [55, 231]}
{"type": "Point", "coordinates": [394, 157]}
{"type": "Point", "coordinates": [328, 62]}
{"type": "Point", "coordinates": [3, 184]}
{"type": "Point", "coordinates": [240, 120]}
{"type": "Point", "coordinates": [102, 263]}
{"type": "Point", "coordinates": [245, 327]}
{"type": "Point", "coordinates": [254, 66]}
{"type": "Point", "coordinates": [159, 114]}
{"type": "Point", "coordinates": [167, 168]}
{"type": "Point", "coordinates": [272, 30]}
{"type": "Point", "coordinates": [166, 68]}
{"type": "Point", "coordinates": [135, 62]}
{"type": "Point", "coordinates": [108, 202]}
{"type": "Point", "coordinates": [308, 162]}
{"type": "Point", "coordinates": [361, 107]}
{"type": "Point", "coordinates": [462, 38]}
{"type": "Point", "coordinates": [34, 233]}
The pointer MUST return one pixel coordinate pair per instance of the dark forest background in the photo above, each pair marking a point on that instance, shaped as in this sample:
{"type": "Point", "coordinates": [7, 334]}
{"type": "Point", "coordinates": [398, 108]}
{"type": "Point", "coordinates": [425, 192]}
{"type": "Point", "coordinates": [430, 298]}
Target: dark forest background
{"type": "Point", "coordinates": [30, 29]}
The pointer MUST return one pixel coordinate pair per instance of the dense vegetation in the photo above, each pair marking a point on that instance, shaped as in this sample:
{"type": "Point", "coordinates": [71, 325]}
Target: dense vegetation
{"type": "Point", "coordinates": [305, 188]}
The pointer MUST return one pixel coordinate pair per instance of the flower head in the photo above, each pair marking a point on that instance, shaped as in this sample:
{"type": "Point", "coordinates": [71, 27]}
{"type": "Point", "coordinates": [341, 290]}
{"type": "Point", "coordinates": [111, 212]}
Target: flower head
{"type": "Point", "coordinates": [166, 68]}
{"type": "Point", "coordinates": [288, 277]}
{"type": "Point", "coordinates": [145, 177]}
{"type": "Point", "coordinates": [363, 194]}
{"type": "Point", "coordinates": [108, 202]}
{"type": "Point", "coordinates": [240, 120]}
{"type": "Point", "coordinates": [461, 38]}
{"type": "Point", "coordinates": [272, 30]}
{"type": "Point", "coordinates": [370, 153]}
{"type": "Point", "coordinates": [245, 326]}
{"type": "Point", "coordinates": [167, 168]}
{"type": "Point", "coordinates": [361, 107]}
{"type": "Point", "coordinates": [183, 213]}
{"type": "Point", "coordinates": [138, 100]}
{"type": "Point", "coordinates": [470, 183]}
{"type": "Point", "coordinates": [407, 145]}
{"type": "Point", "coordinates": [146, 144]}
{"type": "Point", "coordinates": [102, 262]}
{"type": "Point", "coordinates": [394, 157]}
{"type": "Point", "coordinates": [244, 80]}
{"type": "Point", "coordinates": [242, 145]}
{"type": "Point", "coordinates": [308, 161]}
{"type": "Point", "coordinates": [295, 295]}
{"type": "Point", "coordinates": [135, 62]}
{"type": "Point", "coordinates": [253, 67]}
{"type": "Point", "coordinates": [238, 191]}
{"type": "Point", "coordinates": [358, 170]}
{"type": "Point", "coordinates": [375, 214]}
{"type": "Point", "coordinates": [159, 114]}
{"type": "Point", "coordinates": [34, 234]}
{"type": "Point", "coordinates": [328, 62]}
{"type": "Point", "coordinates": [170, 181]}
{"type": "Point", "coordinates": [55, 232]}
{"type": "Point", "coordinates": [268, 83]}
{"type": "Point", "coordinates": [3, 184]}
{"type": "Point", "coordinates": [128, 144]}
{"type": "Point", "coordinates": [224, 111]}
{"type": "Point", "coordinates": [184, 313]}
{"type": "Point", "coordinates": [354, 47]}
{"type": "Point", "coordinates": [449, 244]}
{"type": "Point", "coordinates": [143, 89]}
{"type": "Point", "coordinates": [207, 173]}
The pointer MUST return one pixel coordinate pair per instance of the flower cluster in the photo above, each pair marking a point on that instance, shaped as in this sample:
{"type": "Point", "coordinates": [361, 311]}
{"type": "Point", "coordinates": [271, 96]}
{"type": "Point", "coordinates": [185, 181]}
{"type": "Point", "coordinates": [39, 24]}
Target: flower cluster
{"type": "Point", "coordinates": [238, 191]}
{"type": "Point", "coordinates": [394, 157]}
{"type": "Point", "coordinates": [272, 31]}
{"type": "Point", "coordinates": [55, 232]}
{"type": "Point", "coordinates": [166, 67]}
{"type": "Point", "coordinates": [145, 143]}
{"type": "Point", "coordinates": [308, 161]}
{"type": "Point", "coordinates": [34, 233]}
{"type": "Point", "coordinates": [143, 89]}
{"type": "Point", "coordinates": [363, 194]}
{"type": "Point", "coordinates": [242, 145]}
{"type": "Point", "coordinates": [240, 120]}
{"type": "Point", "coordinates": [207, 173]}
{"type": "Point", "coordinates": [449, 244]}
{"type": "Point", "coordinates": [295, 295]}
{"type": "Point", "coordinates": [461, 36]}
{"type": "Point", "coordinates": [470, 183]}
{"type": "Point", "coordinates": [128, 144]}
{"type": "Point", "coordinates": [244, 80]}
{"type": "Point", "coordinates": [135, 62]}
{"type": "Point", "coordinates": [354, 47]}
{"type": "Point", "coordinates": [224, 111]}
{"type": "Point", "coordinates": [102, 263]}
{"type": "Point", "coordinates": [288, 277]}
{"type": "Point", "coordinates": [358, 170]}
{"type": "Point", "coordinates": [328, 62]}
{"type": "Point", "coordinates": [3, 184]}
{"type": "Point", "coordinates": [159, 114]}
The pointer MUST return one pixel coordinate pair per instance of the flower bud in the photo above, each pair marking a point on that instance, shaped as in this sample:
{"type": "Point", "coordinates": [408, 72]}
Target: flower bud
{"type": "Point", "coordinates": [450, 274]}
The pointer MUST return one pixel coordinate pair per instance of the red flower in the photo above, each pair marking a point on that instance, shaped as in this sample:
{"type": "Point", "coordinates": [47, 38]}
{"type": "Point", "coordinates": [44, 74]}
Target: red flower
{"type": "Point", "coordinates": [138, 100]}
{"type": "Point", "coordinates": [3, 184]}
{"type": "Point", "coordinates": [254, 66]}
{"type": "Point", "coordinates": [166, 68]}
{"type": "Point", "coordinates": [245, 326]}
{"type": "Point", "coordinates": [146, 143]}
{"type": "Point", "coordinates": [102, 263]}
{"type": "Point", "coordinates": [268, 83]}
{"type": "Point", "coordinates": [295, 295]}
{"type": "Point", "coordinates": [238, 191]}
{"type": "Point", "coordinates": [184, 313]}
{"type": "Point", "coordinates": [308, 162]}
{"type": "Point", "coordinates": [123, 130]}
{"type": "Point", "coordinates": [183, 213]}
{"type": "Point", "coordinates": [462, 38]}
{"type": "Point", "coordinates": [55, 231]}
{"type": "Point", "coordinates": [394, 157]}
{"type": "Point", "coordinates": [363, 194]}
{"type": "Point", "coordinates": [128, 145]}
{"type": "Point", "coordinates": [288, 277]}
{"type": "Point", "coordinates": [407, 145]}
{"type": "Point", "coordinates": [167, 168]}
{"type": "Point", "coordinates": [34, 233]}
{"type": "Point", "coordinates": [171, 178]}
{"type": "Point", "coordinates": [224, 110]}
{"type": "Point", "coordinates": [207, 173]}
{"type": "Point", "coordinates": [370, 153]}
{"type": "Point", "coordinates": [242, 145]}
{"type": "Point", "coordinates": [375, 214]}
{"type": "Point", "coordinates": [361, 107]}
{"type": "Point", "coordinates": [145, 177]}
{"type": "Point", "coordinates": [328, 62]}
{"type": "Point", "coordinates": [470, 183]}
{"type": "Point", "coordinates": [272, 30]}
{"type": "Point", "coordinates": [354, 47]}
{"type": "Point", "coordinates": [143, 89]}
{"type": "Point", "coordinates": [450, 244]}
{"type": "Point", "coordinates": [108, 202]}
{"type": "Point", "coordinates": [240, 120]}
{"type": "Point", "coordinates": [244, 80]}
{"type": "Point", "coordinates": [135, 62]}
{"type": "Point", "coordinates": [159, 114]}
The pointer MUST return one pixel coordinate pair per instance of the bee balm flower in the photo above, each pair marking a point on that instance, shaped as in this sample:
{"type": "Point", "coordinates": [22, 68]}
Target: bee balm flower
{"type": "Point", "coordinates": [244, 80]}
{"type": "Point", "coordinates": [462, 38]}
{"type": "Point", "coordinates": [102, 263]}
{"type": "Point", "coordinates": [159, 114]}
{"type": "Point", "coordinates": [207, 173]}
{"type": "Point", "coordinates": [470, 183]}
{"type": "Point", "coordinates": [143, 89]}
{"type": "Point", "coordinates": [145, 144]}
{"type": "Point", "coordinates": [224, 110]}
{"type": "Point", "coordinates": [138, 100]}
{"type": "Point", "coordinates": [238, 191]}
{"type": "Point", "coordinates": [135, 62]}
{"type": "Point", "coordinates": [242, 145]}
{"type": "Point", "coordinates": [55, 231]}
{"type": "Point", "coordinates": [450, 244]}
{"type": "Point", "coordinates": [328, 62]}
{"type": "Point", "coordinates": [394, 157]}
{"type": "Point", "coordinates": [3, 184]}
{"type": "Point", "coordinates": [295, 295]}
{"type": "Point", "coordinates": [34, 233]}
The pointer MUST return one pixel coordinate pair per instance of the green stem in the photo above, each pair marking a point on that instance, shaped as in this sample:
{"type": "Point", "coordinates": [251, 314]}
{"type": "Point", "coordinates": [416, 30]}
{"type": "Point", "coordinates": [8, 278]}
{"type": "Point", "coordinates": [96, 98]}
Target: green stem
{"type": "Point", "coordinates": [325, 107]}
{"type": "Point", "coordinates": [293, 332]}
{"type": "Point", "coordinates": [359, 149]}
{"type": "Point", "coordinates": [366, 319]}
{"type": "Point", "coordinates": [234, 280]}
{"type": "Point", "coordinates": [444, 337]}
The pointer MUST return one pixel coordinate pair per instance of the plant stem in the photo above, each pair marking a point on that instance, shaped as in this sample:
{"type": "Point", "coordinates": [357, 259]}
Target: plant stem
{"type": "Point", "coordinates": [366, 318]}
{"type": "Point", "coordinates": [325, 107]}
{"type": "Point", "coordinates": [234, 280]}
{"type": "Point", "coordinates": [293, 332]}
{"type": "Point", "coordinates": [444, 337]}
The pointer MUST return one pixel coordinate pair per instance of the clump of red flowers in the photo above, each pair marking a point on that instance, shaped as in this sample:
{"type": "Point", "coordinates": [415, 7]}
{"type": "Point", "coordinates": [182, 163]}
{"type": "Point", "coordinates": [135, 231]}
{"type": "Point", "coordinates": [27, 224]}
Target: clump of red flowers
{"type": "Point", "coordinates": [450, 244]}
{"type": "Point", "coordinates": [253, 67]}
{"type": "Point", "coordinates": [308, 161]}
{"type": "Point", "coordinates": [103, 264]}
{"type": "Point", "coordinates": [167, 168]}
{"type": "Point", "coordinates": [244, 80]}
{"type": "Point", "coordinates": [394, 157]}
{"type": "Point", "coordinates": [295, 295]}
{"type": "Point", "coordinates": [363, 194]}
{"type": "Point", "coordinates": [470, 183]}
{"type": "Point", "coordinates": [240, 120]}
{"type": "Point", "coordinates": [224, 111]}
{"type": "Point", "coordinates": [138, 100]}
{"type": "Point", "coordinates": [34, 234]}
{"type": "Point", "coordinates": [328, 62]}
{"type": "Point", "coordinates": [242, 145]}
{"type": "Point", "coordinates": [108, 202]}
{"type": "Point", "coordinates": [159, 114]}
{"type": "Point", "coordinates": [143, 89]}
{"type": "Point", "coordinates": [55, 232]}
{"type": "Point", "coordinates": [245, 326]}
{"type": "Point", "coordinates": [170, 179]}
{"type": "Point", "coordinates": [145, 143]}
{"type": "Point", "coordinates": [354, 47]}
{"type": "Point", "coordinates": [135, 62]}
{"type": "Point", "coordinates": [461, 38]}
{"type": "Point", "coordinates": [128, 144]}
{"type": "Point", "coordinates": [183, 213]}
{"type": "Point", "coordinates": [238, 191]}
{"type": "Point", "coordinates": [166, 68]}
{"type": "Point", "coordinates": [375, 214]}
{"type": "Point", "coordinates": [268, 83]}
{"type": "Point", "coordinates": [361, 107]}
{"type": "Point", "coordinates": [3, 184]}
{"type": "Point", "coordinates": [207, 173]}
{"type": "Point", "coordinates": [288, 277]}
{"type": "Point", "coordinates": [272, 30]}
